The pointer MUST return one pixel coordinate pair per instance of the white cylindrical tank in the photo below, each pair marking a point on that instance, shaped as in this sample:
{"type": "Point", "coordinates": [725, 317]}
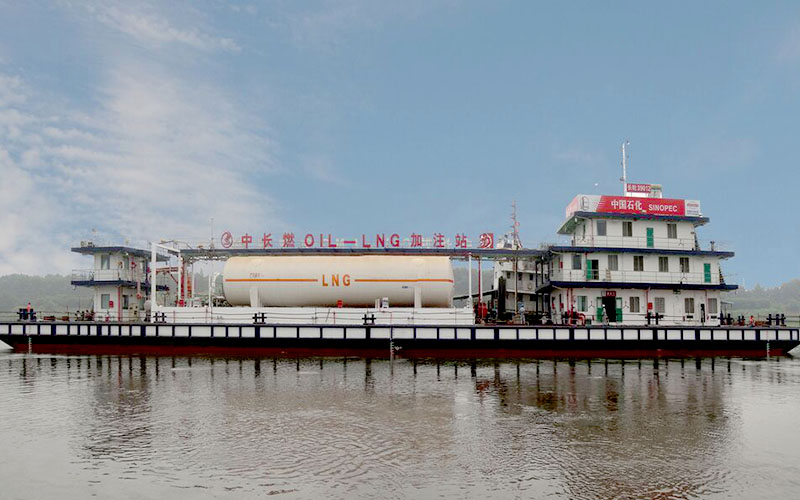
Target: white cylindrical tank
{"type": "Point", "coordinates": [356, 281]}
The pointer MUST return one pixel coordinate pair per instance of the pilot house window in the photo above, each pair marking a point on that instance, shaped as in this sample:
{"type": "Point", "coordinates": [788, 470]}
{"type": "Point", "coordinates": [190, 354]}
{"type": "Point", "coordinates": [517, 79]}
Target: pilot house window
{"type": "Point", "coordinates": [627, 228]}
{"type": "Point", "coordinates": [672, 231]}
{"type": "Point", "coordinates": [601, 228]}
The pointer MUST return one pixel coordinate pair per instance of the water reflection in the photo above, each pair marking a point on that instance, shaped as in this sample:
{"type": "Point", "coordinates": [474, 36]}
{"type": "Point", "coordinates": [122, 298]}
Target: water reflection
{"type": "Point", "coordinates": [352, 427]}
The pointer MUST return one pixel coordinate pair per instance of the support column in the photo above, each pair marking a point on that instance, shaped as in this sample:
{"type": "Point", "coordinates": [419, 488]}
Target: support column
{"type": "Point", "coordinates": [255, 300]}
{"type": "Point", "coordinates": [469, 278]}
{"type": "Point", "coordinates": [480, 292]}
{"type": "Point", "coordinates": [152, 282]}
{"type": "Point", "coordinates": [180, 278]}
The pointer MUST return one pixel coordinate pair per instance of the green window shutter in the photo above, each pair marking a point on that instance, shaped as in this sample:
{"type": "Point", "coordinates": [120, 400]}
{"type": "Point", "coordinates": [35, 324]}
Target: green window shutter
{"type": "Point", "coordinates": [588, 269]}
{"type": "Point", "coordinates": [650, 237]}
{"type": "Point", "coordinates": [599, 310]}
{"type": "Point", "coordinates": [707, 273]}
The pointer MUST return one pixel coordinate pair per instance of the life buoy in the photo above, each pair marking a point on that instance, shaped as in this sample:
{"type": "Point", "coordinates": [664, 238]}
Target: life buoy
{"type": "Point", "coordinates": [582, 319]}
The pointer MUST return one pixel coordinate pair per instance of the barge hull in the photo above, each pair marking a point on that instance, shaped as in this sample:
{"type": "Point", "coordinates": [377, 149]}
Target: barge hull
{"type": "Point", "coordinates": [407, 341]}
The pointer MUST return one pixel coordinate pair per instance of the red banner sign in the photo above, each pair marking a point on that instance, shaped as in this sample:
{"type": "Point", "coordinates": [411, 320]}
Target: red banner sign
{"type": "Point", "coordinates": [633, 205]}
{"type": "Point", "coordinates": [649, 206]}
{"type": "Point", "coordinates": [380, 240]}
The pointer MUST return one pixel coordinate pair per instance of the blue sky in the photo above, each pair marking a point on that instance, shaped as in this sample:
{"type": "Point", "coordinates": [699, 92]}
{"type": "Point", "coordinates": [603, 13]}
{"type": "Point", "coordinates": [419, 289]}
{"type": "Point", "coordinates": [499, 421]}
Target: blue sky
{"type": "Point", "coordinates": [144, 120]}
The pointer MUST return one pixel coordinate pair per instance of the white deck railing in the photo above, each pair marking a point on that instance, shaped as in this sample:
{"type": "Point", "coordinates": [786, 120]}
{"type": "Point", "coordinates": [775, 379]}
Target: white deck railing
{"type": "Point", "coordinates": [106, 275]}
{"type": "Point", "coordinates": [635, 242]}
{"type": "Point", "coordinates": [634, 276]}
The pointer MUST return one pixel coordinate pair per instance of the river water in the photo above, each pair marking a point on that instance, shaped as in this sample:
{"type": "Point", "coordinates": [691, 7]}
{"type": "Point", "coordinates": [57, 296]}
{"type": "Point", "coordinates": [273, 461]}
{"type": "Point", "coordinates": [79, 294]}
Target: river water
{"type": "Point", "coordinates": [202, 427]}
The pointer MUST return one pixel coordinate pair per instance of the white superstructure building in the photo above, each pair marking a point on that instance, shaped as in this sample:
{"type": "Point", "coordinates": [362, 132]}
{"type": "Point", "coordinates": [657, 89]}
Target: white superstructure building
{"type": "Point", "coordinates": [119, 279]}
{"type": "Point", "coordinates": [515, 284]}
{"type": "Point", "coordinates": [633, 260]}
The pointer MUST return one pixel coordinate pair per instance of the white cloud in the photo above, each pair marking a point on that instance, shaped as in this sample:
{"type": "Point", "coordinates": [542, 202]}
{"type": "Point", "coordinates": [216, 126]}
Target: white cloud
{"type": "Point", "coordinates": [11, 92]}
{"type": "Point", "coordinates": [155, 158]}
{"type": "Point", "coordinates": [150, 26]}
{"type": "Point", "coordinates": [29, 239]}
{"type": "Point", "coordinates": [320, 168]}
{"type": "Point", "coordinates": [69, 134]}
{"type": "Point", "coordinates": [156, 150]}
{"type": "Point", "coordinates": [248, 9]}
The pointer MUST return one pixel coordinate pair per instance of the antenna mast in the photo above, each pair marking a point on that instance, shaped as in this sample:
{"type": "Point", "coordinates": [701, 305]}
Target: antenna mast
{"type": "Point", "coordinates": [624, 177]}
{"type": "Point", "coordinates": [516, 245]}
{"type": "Point", "coordinates": [515, 226]}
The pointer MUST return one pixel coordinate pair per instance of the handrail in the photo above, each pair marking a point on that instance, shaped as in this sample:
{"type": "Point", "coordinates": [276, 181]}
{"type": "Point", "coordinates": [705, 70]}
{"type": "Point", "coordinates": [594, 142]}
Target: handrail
{"type": "Point", "coordinates": [636, 242]}
{"type": "Point", "coordinates": [418, 318]}
{"type": "Point", "coordinates": [627, 276]}
{"type": "Point", "coordinates": [107, 275]}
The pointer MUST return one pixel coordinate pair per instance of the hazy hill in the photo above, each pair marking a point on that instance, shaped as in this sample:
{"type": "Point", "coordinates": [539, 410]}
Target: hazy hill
{"type": "Point", "coordinates": [780, 299]}
{"type": "Point", "coordinates": [461, 280]}
{"type": "Point", "coordinates": [53, 293]}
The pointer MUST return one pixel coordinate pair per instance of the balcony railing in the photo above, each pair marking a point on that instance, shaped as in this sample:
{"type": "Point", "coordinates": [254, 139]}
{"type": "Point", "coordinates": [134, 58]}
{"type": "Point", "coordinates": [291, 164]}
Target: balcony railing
{"type": "Point", "coordinates": [526, 287]}
{"type": "Point", "coordinates": [106, 275]}
{"type": "Point", "coordinates": [635, 276]}
{"type": "Point", "coordinates": [636, 242]}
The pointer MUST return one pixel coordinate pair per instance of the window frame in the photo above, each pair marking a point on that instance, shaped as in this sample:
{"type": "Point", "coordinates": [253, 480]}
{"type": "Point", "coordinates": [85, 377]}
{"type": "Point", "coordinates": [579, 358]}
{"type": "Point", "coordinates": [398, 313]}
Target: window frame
{"type": "Point", "coordinates": [663, 264]}
{"type": "Point", "coordinates": [627, 229]}
{"type": "Point", "coordinates": [672, 230]}
{"type": "Point", "coordinates": [604, 225]}
{"type": "Point", "coordinates": [640, 259]}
